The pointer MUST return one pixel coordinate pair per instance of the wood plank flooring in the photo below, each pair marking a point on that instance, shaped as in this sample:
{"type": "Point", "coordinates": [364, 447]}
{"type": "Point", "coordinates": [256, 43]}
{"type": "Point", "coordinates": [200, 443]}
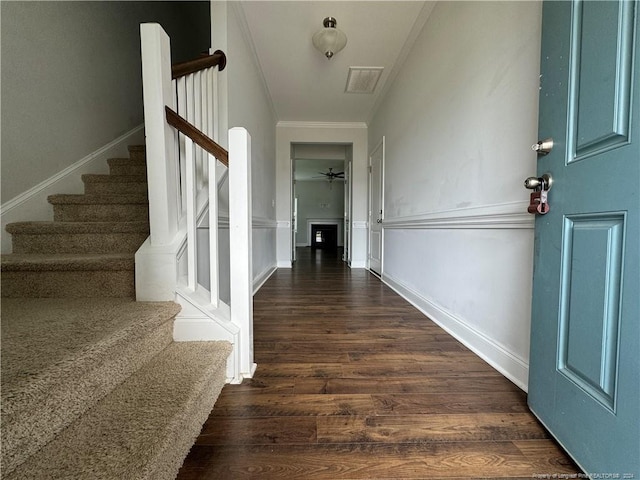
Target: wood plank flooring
{"type": "Point", "coordinates": [354, 383]}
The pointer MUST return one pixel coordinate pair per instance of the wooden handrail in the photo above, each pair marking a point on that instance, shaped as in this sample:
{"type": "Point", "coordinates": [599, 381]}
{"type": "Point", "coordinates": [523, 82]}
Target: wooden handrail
{"type": "Point", "coordinates": [185, 68]}
{"type": "Point", "coordinates": [183, 126]}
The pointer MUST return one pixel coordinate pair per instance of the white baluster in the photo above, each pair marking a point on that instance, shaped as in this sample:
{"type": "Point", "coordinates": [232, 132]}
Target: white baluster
{"type": "Point", "coordinates": [214, 269]}
{"type": "Point", "coordinates": [192, 259]}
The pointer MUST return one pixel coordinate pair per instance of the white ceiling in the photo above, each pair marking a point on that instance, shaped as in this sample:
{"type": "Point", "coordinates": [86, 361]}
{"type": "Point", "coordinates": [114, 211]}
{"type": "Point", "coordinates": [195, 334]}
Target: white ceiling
{"type": "Point", "coordinates": [303, 84]}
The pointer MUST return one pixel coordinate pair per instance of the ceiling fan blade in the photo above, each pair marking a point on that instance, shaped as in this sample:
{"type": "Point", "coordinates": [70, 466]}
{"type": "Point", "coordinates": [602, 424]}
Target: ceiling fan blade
{"type": "Point", "coordinates": [339, 173]}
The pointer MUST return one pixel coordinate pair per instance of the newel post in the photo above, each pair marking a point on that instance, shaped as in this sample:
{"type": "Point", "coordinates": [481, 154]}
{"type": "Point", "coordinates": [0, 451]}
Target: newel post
{"type": "Point", "coordinates": [240, 251]}
{"type": "Point", "coordinates": [162, 168]}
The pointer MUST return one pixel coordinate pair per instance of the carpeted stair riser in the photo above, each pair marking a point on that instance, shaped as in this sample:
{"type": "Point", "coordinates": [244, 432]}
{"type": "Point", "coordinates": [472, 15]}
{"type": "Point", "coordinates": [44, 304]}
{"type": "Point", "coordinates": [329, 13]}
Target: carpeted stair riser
{"type": "Point", "coordinates": [126, 166]}
{"type": "Point", "coordinates": [111, 284]}
{"type": "Point", "coordinates": [115, 184]}
{"type": "Point", "coordinates": [100, 213]}
{"type": "Point", "coordinates": [138, 152]}
{"type": "Point", "coordinates": [100, 208]}
{"type": "Point", "coordinates": [78, 243]}
{"type": "Point", "coordinates": [145, 427]}
{"type": "Point", "coordinates": [68, 276]}
{"type": "Point", "coordinates": [35, 410]}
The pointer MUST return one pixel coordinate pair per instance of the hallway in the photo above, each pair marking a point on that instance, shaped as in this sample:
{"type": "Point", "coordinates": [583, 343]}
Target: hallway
{"type": "Point", "coordinates": [355, 383]}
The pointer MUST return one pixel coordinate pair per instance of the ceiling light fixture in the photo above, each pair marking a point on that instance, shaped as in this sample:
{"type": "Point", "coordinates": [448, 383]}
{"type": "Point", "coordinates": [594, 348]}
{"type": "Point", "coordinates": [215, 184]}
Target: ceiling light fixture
{"type": "Point", "coordinates": [329, 40]}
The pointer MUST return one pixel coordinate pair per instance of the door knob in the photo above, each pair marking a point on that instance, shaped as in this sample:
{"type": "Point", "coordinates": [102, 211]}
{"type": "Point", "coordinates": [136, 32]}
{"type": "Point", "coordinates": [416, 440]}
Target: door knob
{"type": "Point", "coordinates": [539, 183]}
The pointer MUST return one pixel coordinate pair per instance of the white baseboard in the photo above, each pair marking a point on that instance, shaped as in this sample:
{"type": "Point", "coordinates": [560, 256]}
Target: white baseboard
{"type": "Point", "coordinates": [32, 204]}
{"type": "Point", "coordinates": [496, 355]}
{"type": "Point", "coordinates": [358, 264]}
{"type": "Point", "coordinates": [262, 278]}
{"type": "Point", "coordinates": [284, 263]}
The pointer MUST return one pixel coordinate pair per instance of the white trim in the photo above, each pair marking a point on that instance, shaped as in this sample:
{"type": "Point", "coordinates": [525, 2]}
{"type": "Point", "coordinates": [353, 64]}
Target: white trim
{"type": "Point", "coordinates": [261, 222]}
{"type": "Point", "coordinates": [358, 264]}
{"type": "Point", "coordinates": [70, 170]}
{"type": "Point", "coordinates": [379, 146]}
{"type": "Point", "coordinates": [360, 224]}
{"type": "Point", "coordinates": [498, 356]}
{"type": "Point", "coordinates": [260, 280]}
{"type": "Point", "coordinates": [316, 125]}
{"type": "Point", "coordinates": [284, 264]}
{"type": "Point", "coordinates": [512, 215]}
{"type": "Point", "coordinates": [283, 224]}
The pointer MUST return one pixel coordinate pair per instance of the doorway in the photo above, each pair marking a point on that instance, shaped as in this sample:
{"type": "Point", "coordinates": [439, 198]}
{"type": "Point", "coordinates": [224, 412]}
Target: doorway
{"type": "Point", "coordinates": [321, 196]}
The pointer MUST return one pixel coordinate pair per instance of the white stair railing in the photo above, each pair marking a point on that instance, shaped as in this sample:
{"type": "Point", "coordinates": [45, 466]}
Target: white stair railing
{"type": "Point", "coordinates": [185, 168]}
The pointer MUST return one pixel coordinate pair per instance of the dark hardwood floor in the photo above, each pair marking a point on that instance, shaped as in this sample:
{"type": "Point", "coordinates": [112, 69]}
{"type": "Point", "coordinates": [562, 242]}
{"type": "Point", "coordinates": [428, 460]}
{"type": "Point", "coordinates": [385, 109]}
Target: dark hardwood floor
{"type": "Point", "coordinates": [355, 383]}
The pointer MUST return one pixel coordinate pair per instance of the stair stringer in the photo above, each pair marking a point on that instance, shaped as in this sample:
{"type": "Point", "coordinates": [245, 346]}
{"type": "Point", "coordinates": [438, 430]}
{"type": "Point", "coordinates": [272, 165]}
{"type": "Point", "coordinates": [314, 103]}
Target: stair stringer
{"type": "Point", "coordinates": [199, 320]}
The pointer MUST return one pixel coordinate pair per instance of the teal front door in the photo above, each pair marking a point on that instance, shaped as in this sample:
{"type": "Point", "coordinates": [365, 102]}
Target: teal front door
{"type": "Point", "coordinates": [584, 381]}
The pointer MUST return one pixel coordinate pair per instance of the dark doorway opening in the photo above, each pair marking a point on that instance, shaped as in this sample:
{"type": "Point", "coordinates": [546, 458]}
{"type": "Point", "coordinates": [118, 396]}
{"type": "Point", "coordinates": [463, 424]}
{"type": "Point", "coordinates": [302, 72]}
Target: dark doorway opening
{"type": "Point", "coordinates": [324, 236]}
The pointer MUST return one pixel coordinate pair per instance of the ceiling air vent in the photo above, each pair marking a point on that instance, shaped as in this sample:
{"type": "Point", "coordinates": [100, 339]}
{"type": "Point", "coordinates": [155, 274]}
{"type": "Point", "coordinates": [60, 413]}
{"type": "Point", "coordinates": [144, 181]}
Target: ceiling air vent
{"type": "Point", "coordinates": [363, 79]}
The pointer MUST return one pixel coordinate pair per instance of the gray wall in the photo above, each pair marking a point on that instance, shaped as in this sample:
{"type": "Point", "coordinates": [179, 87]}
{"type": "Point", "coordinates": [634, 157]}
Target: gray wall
{"type": "Point", "coordinates": [459, 121]}
{"type": "Point", "coordinates": [250, 107]}
{"type": "Point", "coordinates": [71, 78]}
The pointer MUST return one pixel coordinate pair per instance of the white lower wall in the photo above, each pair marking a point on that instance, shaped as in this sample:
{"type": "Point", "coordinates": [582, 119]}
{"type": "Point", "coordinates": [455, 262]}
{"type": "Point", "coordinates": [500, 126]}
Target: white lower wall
{"type": "Point", "coordinates": [455, 275]}
{"type": "Point", "coordinates": [264, 241]}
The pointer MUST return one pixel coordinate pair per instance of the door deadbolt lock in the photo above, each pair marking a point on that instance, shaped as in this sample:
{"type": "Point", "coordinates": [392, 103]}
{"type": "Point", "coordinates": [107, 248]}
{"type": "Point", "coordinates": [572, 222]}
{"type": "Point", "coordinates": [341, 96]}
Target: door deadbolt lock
{"type": "Point", "coordinates": [543, 147]}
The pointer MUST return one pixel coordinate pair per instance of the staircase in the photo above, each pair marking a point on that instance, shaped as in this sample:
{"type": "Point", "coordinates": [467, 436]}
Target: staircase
{"type": "Point", "coordinates": [93, 385]}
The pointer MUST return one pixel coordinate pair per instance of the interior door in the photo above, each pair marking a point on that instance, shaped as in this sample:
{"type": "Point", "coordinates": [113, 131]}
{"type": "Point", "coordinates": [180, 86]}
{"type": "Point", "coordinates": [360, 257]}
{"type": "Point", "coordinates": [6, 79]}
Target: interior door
{"type": "Point", "coordinates": [375, 208]}
{"type": "Point", "coordinates": [584, 362]}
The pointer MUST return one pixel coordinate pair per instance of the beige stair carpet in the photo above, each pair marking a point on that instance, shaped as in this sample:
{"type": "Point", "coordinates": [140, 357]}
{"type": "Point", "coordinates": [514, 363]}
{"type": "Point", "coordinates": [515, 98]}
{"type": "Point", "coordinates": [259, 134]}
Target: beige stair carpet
{"type": "Point", "coordinates": [143, 429]}
{"type": "Point", "coordinates": [60, 356]}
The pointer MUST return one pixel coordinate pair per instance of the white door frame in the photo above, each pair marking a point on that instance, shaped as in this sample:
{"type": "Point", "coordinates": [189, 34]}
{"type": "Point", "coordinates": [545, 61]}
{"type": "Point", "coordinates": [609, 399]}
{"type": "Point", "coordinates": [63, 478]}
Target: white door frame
{"type": "Point", "coordinates": [373, 216]}
{"type": "Point", "coordinates": [348, 206]}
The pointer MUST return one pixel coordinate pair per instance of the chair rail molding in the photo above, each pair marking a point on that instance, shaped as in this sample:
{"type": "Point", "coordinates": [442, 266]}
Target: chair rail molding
{"type": "Point", "coordinates": [511, 215]}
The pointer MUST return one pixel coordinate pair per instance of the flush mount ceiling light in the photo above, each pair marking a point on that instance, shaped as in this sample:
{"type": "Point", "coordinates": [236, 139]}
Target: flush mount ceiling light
{"type": "Point", "coordinates": [329, 40]}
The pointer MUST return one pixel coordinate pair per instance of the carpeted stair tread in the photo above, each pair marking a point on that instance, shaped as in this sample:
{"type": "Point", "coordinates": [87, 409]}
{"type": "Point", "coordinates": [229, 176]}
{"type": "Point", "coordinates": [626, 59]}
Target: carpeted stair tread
{"type": "Point", "coordinates": [60, 356]}
{"type": "Point", "coordinates": [98, 199]}
{"type": "Point", "coordinates": [51, 227]}
{"type": "Point", "coordinates": [145, 427]}
{"type": "Point", "coordinates": [42, 262]}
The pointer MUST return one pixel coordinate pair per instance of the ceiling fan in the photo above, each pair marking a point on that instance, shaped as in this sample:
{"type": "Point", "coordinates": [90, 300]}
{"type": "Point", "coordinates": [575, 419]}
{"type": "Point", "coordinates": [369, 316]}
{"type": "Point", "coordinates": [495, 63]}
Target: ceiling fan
{"type": "Point", "coordinates": [330, 175]}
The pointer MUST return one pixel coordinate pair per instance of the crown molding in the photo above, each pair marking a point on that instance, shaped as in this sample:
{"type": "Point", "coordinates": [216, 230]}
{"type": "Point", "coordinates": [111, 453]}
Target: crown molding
{"type": "Point", "coordinates": [317, 125]}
